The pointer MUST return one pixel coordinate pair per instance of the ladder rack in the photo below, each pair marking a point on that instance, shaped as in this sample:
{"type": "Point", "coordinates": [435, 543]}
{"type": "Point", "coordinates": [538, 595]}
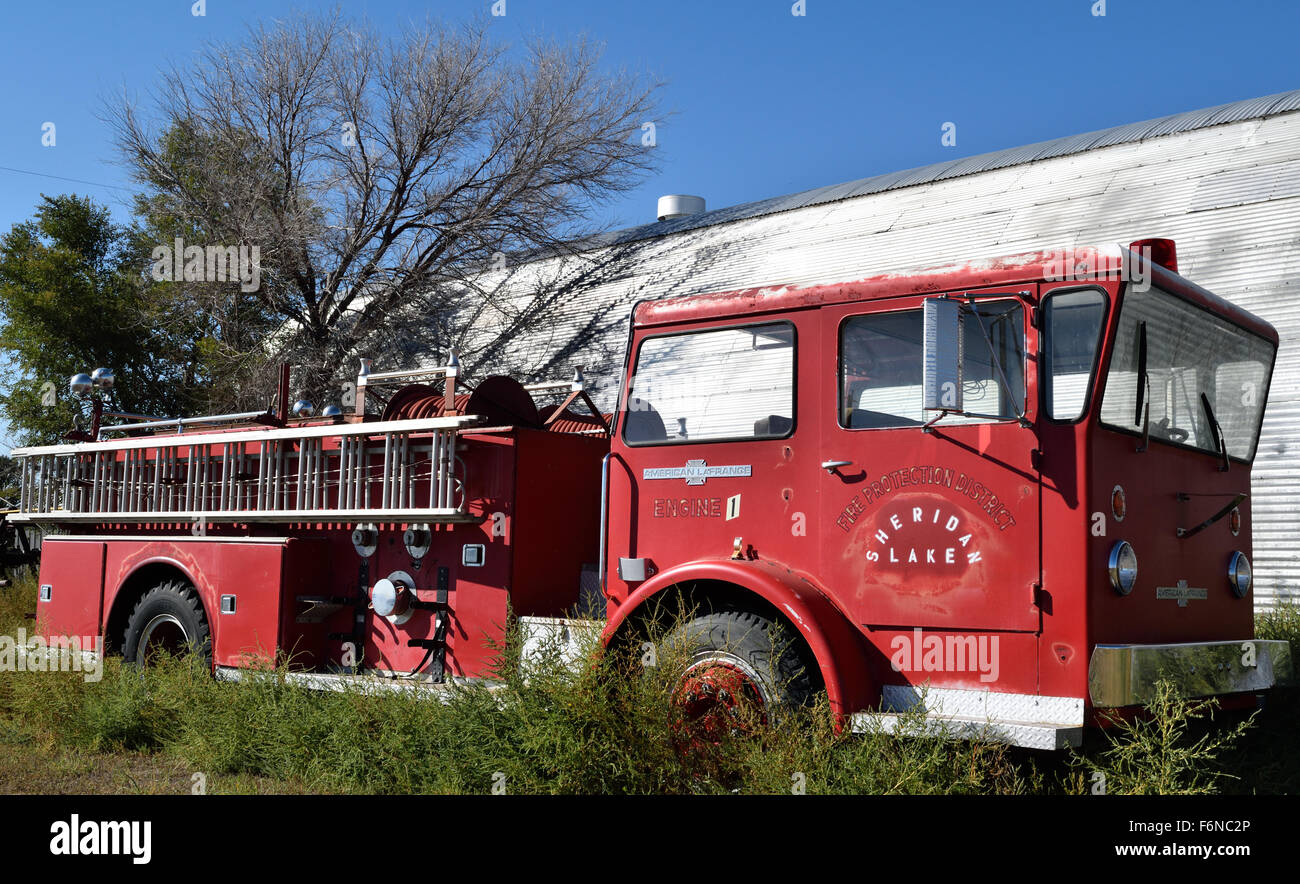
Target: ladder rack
{"type": "Point", "coordinates": [383, 471]}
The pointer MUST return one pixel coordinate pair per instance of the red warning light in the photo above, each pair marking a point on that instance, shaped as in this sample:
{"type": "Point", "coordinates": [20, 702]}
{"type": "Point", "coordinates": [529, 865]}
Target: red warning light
{"type": "Point", "coordinates": [1159, 251]}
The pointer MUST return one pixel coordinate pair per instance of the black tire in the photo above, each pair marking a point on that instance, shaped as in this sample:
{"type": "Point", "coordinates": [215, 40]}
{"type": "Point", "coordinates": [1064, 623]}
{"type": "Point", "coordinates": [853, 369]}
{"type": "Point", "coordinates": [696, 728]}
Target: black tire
{"type": "Point", "coordinates": [169, 617]}
{"type": "Point", "coordinates": [737, 651]}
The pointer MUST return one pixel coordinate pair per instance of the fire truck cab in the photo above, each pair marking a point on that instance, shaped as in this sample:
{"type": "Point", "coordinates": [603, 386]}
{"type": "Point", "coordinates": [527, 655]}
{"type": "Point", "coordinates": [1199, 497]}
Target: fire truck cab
{"type": "Point", "coordinates": [1013, 492]}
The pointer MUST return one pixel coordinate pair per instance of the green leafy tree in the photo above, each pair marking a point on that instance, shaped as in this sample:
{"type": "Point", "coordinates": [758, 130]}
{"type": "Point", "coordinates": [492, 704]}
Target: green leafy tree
{"type": "Point", "coordinates": [73, 297]}
{"type": "Point", "coordinates": [9, 474]}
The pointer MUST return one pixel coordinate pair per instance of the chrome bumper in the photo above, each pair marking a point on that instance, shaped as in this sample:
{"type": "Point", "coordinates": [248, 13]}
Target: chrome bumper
{"type": "Point", "coordinates": [1126, 675]}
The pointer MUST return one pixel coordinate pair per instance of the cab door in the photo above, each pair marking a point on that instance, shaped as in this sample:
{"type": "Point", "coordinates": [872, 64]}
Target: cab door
{"type": "Point", "coordinates": [931, 526]}
{"type": "Point", "coordinates": [714, 448]}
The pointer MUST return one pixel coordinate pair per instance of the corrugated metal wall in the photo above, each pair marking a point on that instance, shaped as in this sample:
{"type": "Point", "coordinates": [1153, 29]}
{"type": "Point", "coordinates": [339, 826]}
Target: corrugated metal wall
{"type": "Point", "coordinates": [1229, 195]}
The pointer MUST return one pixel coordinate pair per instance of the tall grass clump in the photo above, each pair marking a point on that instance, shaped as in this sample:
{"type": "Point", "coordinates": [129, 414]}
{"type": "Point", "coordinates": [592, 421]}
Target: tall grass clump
{"type": "Point", "coordinates": [547, 726]}
{"type": "Point", "coordinates": [544, 726]}
{"type": "Point", "coordinates": [1266, 762]}
{"type": "Point", "coordinates": [1175, 748]}
{"type": "Point", "coordinates": [44, 705]}
{"type": "Point", "coordinates": [1282, 622]}
{"type": "Point", "coordinates": [16, 603]}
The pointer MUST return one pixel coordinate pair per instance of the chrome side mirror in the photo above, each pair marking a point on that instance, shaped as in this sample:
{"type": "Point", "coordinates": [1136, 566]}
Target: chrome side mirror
{"type": "Point", "coordinates": [943, 356]}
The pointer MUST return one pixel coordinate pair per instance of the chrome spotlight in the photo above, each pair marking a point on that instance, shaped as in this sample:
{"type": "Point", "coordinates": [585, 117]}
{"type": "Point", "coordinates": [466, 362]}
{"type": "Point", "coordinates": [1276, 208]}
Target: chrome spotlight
{"type": "Point", "coordinates": [102, 378]}
{"type": "Point", "coordinates": [81, 384]}
{"type": "Point", "coordinates": [303, 408]}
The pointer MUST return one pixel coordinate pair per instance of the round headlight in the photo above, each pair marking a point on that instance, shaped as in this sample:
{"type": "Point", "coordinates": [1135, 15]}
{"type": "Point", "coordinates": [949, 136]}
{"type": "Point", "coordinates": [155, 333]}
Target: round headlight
{"type": "Point", "coordinates": [1239, 577]}
{"type": "Point", "coordinates": [1123, 567]}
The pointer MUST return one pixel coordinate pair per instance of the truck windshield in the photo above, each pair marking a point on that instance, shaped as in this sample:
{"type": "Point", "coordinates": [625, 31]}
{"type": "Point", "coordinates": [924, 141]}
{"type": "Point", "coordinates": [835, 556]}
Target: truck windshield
{"type": "Point", "coordinates": [1189, 352]}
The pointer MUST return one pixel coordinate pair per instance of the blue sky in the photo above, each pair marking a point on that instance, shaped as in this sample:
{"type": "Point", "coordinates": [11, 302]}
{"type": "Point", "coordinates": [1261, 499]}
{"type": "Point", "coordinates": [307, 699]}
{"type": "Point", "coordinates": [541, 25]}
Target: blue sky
{"type": "Point", "coordinates": [764, 102]}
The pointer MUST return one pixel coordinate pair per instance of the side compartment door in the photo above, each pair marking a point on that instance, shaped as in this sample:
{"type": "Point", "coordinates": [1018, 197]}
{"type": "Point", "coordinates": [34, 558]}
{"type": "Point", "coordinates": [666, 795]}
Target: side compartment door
{"type": "Point", "coordinates": [71, 596]}
{"type": "Point", "coordinates": [933, 527]}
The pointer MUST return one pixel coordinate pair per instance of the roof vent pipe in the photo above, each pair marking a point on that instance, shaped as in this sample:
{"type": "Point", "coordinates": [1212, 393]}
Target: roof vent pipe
{"type": "Point", "coordinates": [679, 205]}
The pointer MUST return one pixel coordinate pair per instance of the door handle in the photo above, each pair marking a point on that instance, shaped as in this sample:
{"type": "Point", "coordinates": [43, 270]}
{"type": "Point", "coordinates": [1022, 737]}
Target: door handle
{"type": "Point", "coordinates": [831, 466]}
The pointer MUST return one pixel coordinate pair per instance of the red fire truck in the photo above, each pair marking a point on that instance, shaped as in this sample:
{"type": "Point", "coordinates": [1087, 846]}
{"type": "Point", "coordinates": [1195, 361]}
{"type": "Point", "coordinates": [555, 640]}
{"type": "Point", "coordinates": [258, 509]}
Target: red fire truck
{"type": "Point", "coordinates": [1014, 492]}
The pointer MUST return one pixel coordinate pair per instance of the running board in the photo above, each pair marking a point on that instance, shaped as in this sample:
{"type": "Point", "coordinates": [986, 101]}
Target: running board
{"type": "Point", "coordinates": [1029, 735]}
{"type": "Point", "coordinates": [370, 684]}
{"type": "Point", "coordinates": [1026, 720]}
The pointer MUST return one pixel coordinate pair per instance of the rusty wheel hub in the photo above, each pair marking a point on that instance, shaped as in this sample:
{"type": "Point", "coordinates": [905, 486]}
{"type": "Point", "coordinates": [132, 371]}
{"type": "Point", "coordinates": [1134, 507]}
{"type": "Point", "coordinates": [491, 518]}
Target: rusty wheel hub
{"type": "Point", "coordinates": [717, 698]}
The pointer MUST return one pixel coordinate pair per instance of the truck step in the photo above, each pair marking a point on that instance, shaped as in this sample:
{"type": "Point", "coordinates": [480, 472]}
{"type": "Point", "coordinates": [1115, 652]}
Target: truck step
{"type": "Point", "coordinates": [563, 637]}
{"type": "Point", "coordinates": [1029, 720]}
{"type": "Point", "coordinates": [341, 682]}
{"type": "Point", "coordinates": [1027, 734]}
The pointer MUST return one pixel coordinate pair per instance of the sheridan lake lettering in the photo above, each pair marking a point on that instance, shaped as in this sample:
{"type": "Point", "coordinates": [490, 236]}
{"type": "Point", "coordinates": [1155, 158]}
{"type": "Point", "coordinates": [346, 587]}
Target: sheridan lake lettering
{"type": "Point", "coordinates": [920, 476]}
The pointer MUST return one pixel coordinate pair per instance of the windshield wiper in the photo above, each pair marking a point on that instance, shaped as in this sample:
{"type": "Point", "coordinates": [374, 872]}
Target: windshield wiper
{"type": "Point", "coordinates": [1142, 415]}
{"type": "Point", "coordinates": [1220, 444]}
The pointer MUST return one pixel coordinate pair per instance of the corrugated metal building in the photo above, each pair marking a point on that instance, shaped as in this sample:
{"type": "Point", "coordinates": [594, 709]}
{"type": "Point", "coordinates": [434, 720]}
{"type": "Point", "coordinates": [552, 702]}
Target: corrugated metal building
{"type": "Point", "coordinates": [1224, 182]}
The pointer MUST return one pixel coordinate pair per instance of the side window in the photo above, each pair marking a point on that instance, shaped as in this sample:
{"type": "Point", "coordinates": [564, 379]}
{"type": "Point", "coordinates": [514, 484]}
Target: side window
{"type": "Point", "coordinates": [880, 371]}
{"type": "Point", "coordinates": [1072, 323]}
{"type": "Point", "coordinates": [881, 368]}
{"type": "Point", "coordinates": [722, 384]}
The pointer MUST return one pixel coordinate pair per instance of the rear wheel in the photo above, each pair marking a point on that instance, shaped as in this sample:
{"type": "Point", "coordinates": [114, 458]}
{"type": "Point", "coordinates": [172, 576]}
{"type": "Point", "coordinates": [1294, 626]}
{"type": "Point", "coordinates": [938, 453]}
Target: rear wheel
{"type": "Point", "coordinates": [740, 672]}
{"type": "Point", "coordinates": [168, 618]}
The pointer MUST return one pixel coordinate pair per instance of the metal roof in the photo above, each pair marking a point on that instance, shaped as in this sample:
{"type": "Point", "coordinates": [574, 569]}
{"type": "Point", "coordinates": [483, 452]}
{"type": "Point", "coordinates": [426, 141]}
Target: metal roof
{"type": "Point", "coordinates": [1234, 112]}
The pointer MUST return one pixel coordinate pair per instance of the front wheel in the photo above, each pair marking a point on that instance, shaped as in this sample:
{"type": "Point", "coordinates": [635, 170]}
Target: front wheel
{"type": "Point", "coordinates": [168, 618]}
{"type": "Point", "coordinates": [740, 672]}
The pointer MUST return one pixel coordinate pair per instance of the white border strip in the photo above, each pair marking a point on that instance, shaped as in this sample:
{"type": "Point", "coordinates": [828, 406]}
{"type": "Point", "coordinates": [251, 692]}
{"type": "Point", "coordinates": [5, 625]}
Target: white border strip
{"type": "Point", "coordinates": [159, 538]}
{"type": "Point", "coordinates": [321, 516]}
{"type": "Point", "coordinates": [231, 437]}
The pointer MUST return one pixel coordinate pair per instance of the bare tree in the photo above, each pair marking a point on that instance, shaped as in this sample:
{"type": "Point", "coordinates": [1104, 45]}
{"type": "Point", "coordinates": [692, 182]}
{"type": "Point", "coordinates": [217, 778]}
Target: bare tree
{"type": "Point", "coordinates": [379, 176]}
